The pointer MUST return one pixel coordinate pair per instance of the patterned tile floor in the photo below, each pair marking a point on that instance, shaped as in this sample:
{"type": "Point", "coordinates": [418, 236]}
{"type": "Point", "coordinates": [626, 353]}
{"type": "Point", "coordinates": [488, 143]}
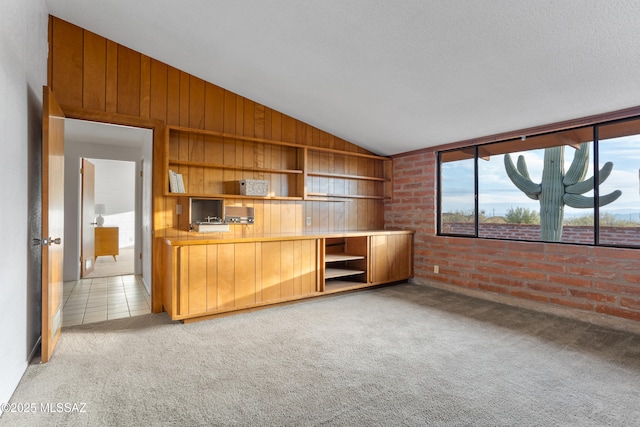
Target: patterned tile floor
{"type": "Point", "coordinates": [104, 298]}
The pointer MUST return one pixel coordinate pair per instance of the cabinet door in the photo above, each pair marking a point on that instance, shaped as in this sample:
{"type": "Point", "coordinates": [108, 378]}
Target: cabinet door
{"type": "Point", "coordinates": [288, 269]}
{"type": "Point", "coordinates": [207, 279]}
{"type": "Point", "coordinates": [391, 258]}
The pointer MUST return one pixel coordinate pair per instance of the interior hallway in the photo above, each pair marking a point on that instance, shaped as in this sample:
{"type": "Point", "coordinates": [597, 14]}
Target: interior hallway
{"type": "Point", "coordinates": [104, 298]}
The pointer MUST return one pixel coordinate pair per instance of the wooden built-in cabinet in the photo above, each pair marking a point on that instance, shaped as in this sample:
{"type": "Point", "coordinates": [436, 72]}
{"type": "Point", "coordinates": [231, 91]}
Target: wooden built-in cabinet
{"type": "Point", "coordinates": [206, 277]}
{"type": "Point", "coordinates": [391, 257]}
{"type": "Point", "coordinates": [215, 138]}
{"type": "Point", "coordinates": [213, 278]}
{"type": "Point", "coordinates": [212, 163]}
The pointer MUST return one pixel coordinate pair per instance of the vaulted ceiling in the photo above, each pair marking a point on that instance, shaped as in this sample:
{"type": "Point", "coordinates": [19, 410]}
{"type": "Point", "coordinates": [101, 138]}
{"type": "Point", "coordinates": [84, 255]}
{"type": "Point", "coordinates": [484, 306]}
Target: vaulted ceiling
{"type": "Point", "coordinates": [393, 76]}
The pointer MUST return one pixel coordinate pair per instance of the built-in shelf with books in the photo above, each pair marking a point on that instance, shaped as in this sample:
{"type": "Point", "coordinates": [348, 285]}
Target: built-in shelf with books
{"type": "Point", "coordinates": [211, 164]}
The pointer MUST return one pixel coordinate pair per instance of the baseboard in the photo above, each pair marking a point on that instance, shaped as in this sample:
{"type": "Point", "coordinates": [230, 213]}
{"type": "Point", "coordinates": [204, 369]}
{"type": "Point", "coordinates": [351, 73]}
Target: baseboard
{"type": "Point", "coordinates": [35, 350]}
{"type": "Point", "coordinates": [146, 286]}
{"type": "Point", "coordinates": [597, 319]}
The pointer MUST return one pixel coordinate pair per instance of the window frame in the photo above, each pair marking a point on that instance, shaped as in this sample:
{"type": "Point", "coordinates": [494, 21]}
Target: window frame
{"type": "Point", "coordinates": [476, 145]}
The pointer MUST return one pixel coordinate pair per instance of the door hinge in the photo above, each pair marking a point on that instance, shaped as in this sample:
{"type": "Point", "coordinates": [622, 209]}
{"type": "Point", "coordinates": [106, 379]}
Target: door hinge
{"type": "Point", "coordinates": [81, 171]}
{"type": "Point", "coordinates": [140, 174]}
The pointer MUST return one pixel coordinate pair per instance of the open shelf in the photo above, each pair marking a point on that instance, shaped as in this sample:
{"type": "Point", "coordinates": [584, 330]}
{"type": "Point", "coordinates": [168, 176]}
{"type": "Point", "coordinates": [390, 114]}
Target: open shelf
{"type": "Point", "coordinates": [232, 167]}
{"type": "Point", "coordinates": [345, 258]}
{"type": "Point", "coordinates": [346, 196]}
{"type": "Point", "coordinates": [341, 257]}
{"type": "Point", "coordinates": [204, 132]}
{"type": "Point", "coordinates": [333, 273]}
{"type": "Point", "coordinates": [210, 163]}
{"type": "Point", "coordinates": [344, 176]}
{"type": "Point", "coordinates": [331, 286]}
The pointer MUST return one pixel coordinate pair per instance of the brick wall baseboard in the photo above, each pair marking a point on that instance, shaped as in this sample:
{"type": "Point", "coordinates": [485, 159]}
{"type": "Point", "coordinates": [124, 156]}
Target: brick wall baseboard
{"type": "Point", "coordinates": [590, 317]}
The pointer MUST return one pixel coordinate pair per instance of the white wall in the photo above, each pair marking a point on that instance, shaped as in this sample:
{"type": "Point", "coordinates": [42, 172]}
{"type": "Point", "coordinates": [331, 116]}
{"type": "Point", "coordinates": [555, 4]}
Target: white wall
{"type": "Point", "coordinates": [115, 184]}
{"type": "Point", "coordinates": [23, 72]}
{"type": "Point", "coordinates": [115, 187]}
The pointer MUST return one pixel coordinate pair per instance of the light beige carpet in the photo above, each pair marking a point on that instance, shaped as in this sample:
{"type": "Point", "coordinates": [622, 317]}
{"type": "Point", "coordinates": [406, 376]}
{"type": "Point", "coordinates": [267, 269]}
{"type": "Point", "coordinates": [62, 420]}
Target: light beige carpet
{"type": "Point", "coordinates": [106, 266]}
{"type": "Point", "coordinates": [401, 355]}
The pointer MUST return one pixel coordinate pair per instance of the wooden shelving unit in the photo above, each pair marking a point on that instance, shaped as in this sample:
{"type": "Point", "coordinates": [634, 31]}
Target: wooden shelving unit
{"type": "Point", "coordinates": [212, 163]}
{"type": "Point", "coordinates": [345, 263]}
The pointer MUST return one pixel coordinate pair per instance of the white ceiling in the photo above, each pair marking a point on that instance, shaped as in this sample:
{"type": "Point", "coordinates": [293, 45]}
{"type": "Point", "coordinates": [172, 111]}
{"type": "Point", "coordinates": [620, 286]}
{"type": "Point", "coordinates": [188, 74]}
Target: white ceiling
{"type": "Point", "coordinates": [393, 76]}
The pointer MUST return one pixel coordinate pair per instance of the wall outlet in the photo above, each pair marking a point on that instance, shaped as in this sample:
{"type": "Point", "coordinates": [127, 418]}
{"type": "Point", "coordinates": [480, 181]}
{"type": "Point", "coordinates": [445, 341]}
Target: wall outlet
{"type": "Point", "coordinates": [178, 209]}
{"type": "Point", "coordinates": [436, 269]}
{"type": "Point", "coordinates": [308, 221]}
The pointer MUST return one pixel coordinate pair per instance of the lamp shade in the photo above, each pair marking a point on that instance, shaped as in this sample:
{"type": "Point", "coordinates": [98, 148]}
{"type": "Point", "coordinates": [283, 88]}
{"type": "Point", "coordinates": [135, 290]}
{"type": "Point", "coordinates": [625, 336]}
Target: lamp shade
{"type": "Point", "coordinates": [101, 208]}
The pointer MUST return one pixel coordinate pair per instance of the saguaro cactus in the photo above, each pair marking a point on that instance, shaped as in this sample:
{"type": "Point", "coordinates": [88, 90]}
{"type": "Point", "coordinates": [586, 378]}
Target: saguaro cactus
{"type": "Point", "coordinates": [558, 188]}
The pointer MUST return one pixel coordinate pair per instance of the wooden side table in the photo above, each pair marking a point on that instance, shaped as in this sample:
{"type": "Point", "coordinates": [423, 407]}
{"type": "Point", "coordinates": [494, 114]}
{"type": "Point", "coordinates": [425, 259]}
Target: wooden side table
{"type": "Point", "coordinates": [106, 242]}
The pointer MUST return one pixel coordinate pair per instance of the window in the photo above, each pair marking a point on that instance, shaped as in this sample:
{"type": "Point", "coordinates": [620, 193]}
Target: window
{"type": "Point", "coordinates": [541, 188]}
{"type": "Point", "coordinates": [619, 146]}
{"type": "Point", "coordinates": [457, 194]}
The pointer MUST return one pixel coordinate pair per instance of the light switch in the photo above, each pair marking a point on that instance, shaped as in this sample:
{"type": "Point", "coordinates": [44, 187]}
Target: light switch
{"type": "Point", "coordinates": [178, 209]}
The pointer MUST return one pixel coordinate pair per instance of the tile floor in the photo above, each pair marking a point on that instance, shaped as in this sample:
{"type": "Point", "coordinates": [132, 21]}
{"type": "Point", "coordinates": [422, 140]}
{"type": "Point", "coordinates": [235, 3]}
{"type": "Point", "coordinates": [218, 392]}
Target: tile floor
{"type": "Point", "coordinates": [104, 298]}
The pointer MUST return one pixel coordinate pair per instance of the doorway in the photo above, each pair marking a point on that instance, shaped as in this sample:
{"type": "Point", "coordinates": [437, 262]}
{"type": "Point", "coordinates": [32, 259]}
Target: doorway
{"type": "Point", "coordinates": [122, 156]}
{"type": "Point", "coordinates": [108, 224]}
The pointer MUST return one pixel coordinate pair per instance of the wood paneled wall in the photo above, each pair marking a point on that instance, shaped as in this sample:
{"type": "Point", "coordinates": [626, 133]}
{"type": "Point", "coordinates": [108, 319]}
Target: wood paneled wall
{"type": "Point", "coordinates": [98, 78]}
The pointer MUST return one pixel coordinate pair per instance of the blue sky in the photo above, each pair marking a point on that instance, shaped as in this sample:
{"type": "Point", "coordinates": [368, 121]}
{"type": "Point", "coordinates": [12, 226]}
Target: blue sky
{"type": "Point", "coordinates": [497, 193]}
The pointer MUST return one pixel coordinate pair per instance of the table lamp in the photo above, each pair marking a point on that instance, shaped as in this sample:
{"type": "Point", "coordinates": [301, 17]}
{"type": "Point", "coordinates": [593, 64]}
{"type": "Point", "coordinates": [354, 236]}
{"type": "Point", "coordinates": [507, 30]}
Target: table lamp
{"type": "Point", "coordinates": [100, 209]}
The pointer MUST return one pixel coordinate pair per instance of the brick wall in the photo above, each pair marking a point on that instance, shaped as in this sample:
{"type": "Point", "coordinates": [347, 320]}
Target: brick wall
{"type": "Point", "coordinates": [570, 234]}
{"type": "Point", "coordinates": [589, 279]}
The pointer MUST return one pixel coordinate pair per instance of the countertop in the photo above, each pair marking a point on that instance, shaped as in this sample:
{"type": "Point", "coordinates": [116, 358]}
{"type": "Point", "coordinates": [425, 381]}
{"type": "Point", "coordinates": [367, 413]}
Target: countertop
{"type": "Point", "coordinates": [192, 238]}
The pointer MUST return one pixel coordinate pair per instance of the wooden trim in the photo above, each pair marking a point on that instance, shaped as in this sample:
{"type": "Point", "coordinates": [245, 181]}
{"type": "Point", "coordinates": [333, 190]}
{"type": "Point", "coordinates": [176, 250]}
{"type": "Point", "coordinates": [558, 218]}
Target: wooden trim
{"type": "Point", "coordinates": [305, 172]}
{"type": "Point", "coordinates": [348, 153]}
{"type": "Point", "coordinates": [531, 131]}
{"type": "Point", "coordinates": [111, 118]}
{"type": "Point", "coordinates": [320, 261]}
